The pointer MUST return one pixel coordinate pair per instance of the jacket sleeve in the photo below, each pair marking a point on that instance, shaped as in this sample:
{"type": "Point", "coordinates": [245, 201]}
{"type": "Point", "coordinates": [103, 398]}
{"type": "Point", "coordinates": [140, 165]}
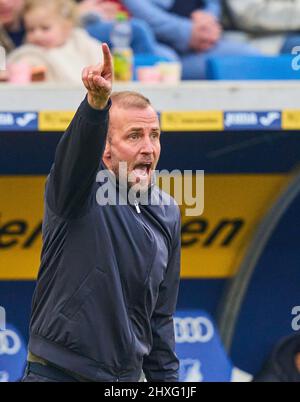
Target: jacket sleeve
{"type": "Point", "coordinates": [77, 161]}
{"type": "Point", "coordinates": [163, 23]}
{"type": "Point", "coordinates": [265, 16]}
{"type": "Point", "coordinates": [162, 364]}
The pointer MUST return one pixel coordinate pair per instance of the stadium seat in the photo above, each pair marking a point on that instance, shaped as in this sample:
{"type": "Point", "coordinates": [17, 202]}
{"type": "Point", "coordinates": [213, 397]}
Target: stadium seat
{"type": "Point", "coordinates": [283, 67]}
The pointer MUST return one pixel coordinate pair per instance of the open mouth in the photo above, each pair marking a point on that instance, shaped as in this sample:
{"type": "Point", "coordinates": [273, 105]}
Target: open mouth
{"type": "Point", "coordinates": [142, 170]}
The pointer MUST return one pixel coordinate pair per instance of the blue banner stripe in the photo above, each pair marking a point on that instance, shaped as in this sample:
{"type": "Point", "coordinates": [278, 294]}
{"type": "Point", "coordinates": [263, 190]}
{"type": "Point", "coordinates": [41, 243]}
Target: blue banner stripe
{"type": "Point", "coordinates": [25, 121]}
{"type": "Point", "coordinates": [253, 121]}
{"type": "Point", "coordinates": [269, 152]}
{"type": "Point", "coordinates": [233, 120]}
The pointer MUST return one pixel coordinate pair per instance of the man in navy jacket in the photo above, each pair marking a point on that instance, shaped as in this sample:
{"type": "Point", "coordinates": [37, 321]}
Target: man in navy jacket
{"type": "Point", "coordinates": [108, 282]}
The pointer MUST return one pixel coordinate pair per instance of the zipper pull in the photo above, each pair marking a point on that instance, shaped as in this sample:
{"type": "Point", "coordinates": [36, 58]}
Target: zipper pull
{"type": "Point", "coordinates": [137, 207]}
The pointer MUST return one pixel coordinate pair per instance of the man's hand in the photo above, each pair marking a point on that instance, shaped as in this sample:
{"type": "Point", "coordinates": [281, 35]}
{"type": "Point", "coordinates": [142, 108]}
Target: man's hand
{"type": "Point", "coordinates": [206, 31]}
{"type": "Point", "coordinates": [98, 80]}
{"type": "Point", "coordinates": [204, 39]}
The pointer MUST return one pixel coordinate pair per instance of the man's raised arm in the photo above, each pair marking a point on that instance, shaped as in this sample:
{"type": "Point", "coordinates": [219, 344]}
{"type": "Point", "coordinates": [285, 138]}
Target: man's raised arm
{"type": "Point", "coordinates": [80, 150]}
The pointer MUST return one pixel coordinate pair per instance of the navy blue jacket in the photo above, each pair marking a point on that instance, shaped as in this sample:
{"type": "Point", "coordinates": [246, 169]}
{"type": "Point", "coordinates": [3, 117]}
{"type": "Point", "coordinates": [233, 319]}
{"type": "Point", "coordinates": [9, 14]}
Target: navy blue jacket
{"type": "Point", "coordinates": [109, 276]}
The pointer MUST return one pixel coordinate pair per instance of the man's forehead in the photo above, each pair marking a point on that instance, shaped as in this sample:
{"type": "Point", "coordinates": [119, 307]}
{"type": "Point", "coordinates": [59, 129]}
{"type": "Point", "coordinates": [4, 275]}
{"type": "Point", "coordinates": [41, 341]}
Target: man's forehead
{"type": "Point", "coordinates": [134, 117]}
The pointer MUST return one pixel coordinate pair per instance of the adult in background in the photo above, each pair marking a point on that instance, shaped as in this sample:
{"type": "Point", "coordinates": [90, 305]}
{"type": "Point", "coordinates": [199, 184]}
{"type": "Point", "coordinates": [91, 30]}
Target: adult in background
{"type": "Point", "coordinates": [273, 26]}
{"type": "Point", "coordinates": [192, 28]}
{"type": "Point", "coordinates": [108, 282]}
{"type": "Point", "coordinates": [98, 18]}
{"type": "Point", "coordinates": [284, 363]}
{"type": "Point", "coordinates": [11, 26]}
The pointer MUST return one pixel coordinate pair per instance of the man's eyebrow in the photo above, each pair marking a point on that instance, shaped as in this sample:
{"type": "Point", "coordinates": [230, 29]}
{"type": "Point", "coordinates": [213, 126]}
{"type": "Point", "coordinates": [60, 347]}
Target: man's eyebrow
{"type": "Point", "coordinates": [134, 130]}
{"type": "Point", "coordinates": [139, 129]}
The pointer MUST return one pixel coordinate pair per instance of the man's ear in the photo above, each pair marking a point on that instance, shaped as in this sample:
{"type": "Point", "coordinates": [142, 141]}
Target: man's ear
{"type": "Point", "coordinates": [107, 152]}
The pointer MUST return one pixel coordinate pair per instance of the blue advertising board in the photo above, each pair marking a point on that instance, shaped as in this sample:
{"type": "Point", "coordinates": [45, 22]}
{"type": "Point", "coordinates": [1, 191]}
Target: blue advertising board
{"type": "Point", "coordinates": [199, 348]}
{"type": "Point", "coordinates": [13, 352]}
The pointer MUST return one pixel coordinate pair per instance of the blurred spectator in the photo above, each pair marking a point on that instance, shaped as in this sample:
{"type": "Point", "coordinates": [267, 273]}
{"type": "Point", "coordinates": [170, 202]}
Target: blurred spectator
{"type": "Point", "coordinates": [106, 9]}
{"type": "Point", "coordinates": [11, 26]}
{"type": "Point", "coordinates": [54, 42]}
{"type": "Point", "coordinates": [271, 25]}
{"type": "Point", "coordinates": [284, 363]}
{"type": "Point", "coordinates": [192, 28]}
{"type": "Point", "coordinates": [98, 18]}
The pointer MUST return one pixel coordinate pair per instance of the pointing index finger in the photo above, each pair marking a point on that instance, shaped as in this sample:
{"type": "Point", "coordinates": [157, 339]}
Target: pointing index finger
{"type": "Point", "coordinates": [107, 59]}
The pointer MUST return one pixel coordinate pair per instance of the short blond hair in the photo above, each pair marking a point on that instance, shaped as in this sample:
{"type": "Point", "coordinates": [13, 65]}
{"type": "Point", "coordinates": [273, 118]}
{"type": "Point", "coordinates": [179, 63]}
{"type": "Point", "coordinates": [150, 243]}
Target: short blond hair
{"type": "Point", "coordinates": [67, 9]}
{"type": "Point", "coordinates": [130, 100]}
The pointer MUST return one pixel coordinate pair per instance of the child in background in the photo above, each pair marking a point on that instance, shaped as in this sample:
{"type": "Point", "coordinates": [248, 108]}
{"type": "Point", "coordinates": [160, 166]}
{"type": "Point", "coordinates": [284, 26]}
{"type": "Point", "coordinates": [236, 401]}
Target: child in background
{"type": "Point", "coordinates": [54, 42]}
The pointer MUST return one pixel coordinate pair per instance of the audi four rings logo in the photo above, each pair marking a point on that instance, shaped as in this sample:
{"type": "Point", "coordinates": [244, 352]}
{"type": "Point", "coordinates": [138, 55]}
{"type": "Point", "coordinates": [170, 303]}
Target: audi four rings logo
{"type": "Point", "coordinates": [10, 343]}
{"type": "Point", "coordinates": [193, 329]}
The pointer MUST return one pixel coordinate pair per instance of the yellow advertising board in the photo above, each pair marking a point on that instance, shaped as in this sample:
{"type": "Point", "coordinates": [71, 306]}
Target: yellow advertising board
{"type": "Point", "coordinates": [55, 120]}
{"type": "Point", "coordinates": [213, 244]}
{"type": "Point", "coordinates": [192, 121]}
{"type": "Point", "coordinates": [21, 213]}
{"type": "Point", "coordinates": [291, 120]}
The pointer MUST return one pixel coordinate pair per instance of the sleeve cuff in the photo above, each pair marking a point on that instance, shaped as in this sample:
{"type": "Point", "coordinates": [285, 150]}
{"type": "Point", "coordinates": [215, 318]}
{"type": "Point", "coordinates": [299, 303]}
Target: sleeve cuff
{"type": "Point", "coordinates": [185, 34]}
{"type": "Point", "coordinates": [91, 114]}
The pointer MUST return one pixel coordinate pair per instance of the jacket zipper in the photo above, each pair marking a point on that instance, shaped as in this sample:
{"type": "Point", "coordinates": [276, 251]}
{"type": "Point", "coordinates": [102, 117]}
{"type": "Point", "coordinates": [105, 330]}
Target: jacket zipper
{"type": "Point", "coordinates": [137, 207]}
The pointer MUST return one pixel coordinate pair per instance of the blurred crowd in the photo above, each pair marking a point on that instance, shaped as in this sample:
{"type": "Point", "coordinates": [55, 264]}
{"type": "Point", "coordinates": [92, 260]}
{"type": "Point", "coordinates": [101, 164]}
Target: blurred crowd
{"type": "Point", "coordinates": [53, 40]}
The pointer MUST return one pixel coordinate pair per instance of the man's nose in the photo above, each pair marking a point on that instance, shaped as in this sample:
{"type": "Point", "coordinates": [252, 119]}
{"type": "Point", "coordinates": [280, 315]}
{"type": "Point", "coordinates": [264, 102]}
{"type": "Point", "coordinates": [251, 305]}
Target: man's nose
{"type": "Point", "coordinates": [147, 146]}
